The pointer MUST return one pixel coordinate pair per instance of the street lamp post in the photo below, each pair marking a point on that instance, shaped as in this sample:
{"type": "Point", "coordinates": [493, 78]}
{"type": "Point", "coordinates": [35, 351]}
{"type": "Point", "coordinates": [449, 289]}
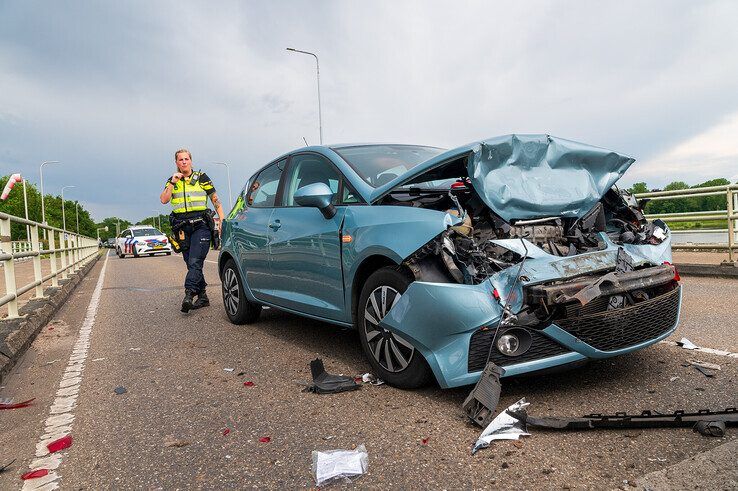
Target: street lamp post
{"type": "Point", "coordinates": [317, 67]}
{"type": "Point", "coordinates": [158, 215]}
{"type": "Point", "coordinates": [228, 171]}
{"type": "Point", "coordinates": [41, 172]}
{"type": "Point", "coordinates": [98, 232]}
{"type": "Point", "coordinates": [77, 207]}
{"type": "Point", "coordinates": [64, 216]}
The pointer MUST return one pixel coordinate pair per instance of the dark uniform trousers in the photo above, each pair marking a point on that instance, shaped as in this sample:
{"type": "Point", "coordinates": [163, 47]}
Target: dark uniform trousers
{"type": "Point", "coordinates": [194, 256]}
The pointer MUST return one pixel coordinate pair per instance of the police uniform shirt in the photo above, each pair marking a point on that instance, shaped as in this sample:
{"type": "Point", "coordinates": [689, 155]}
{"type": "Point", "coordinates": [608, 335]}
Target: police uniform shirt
{"type": "Point", "coordinates": [194, 184]}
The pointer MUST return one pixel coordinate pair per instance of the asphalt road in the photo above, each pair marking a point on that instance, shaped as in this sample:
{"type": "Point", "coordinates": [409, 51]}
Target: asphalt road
{"type": "Point", "coordinates": [178, 393]}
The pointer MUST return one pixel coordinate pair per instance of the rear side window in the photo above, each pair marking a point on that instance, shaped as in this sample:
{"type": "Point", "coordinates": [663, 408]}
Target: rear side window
{"type": "Point", "coordinates": [263, 192]}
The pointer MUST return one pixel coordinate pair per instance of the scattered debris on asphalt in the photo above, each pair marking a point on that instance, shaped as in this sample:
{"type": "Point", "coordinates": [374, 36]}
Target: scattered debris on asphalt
{"type": "Point", "coordinates": [226, 431]}
{"type": "Point", "coordinates": [228, 369]}
{"type": "Point", "coordinates": [60, 444]}
{"type": "Point", "coordinates": [704, 364]}
{"type": "Point", "coordinates": [710, 428]}
{"type": "Point", "coordinates": [241, 374]}
{"type": "Point", "coordinates": [672, 379]}
{"type": "Point", "coordinates": [8, 403]}
{"type": "Point", "coordinates": [265, 439]}
{"type": "Point", "coordinates": [51, 362]}
{"type": "Point", "coordinates": [480, 404]}
{"type": "Point", "coordinates": [5, 467]}
{"type": "Point", "coordinates": [325, 383]}
{"type": "Point", "coordinates": [34, 474]}
{"type": "Point", "coordinates": [505, 426]}
{"type": "Point", "coordinates": [120, 390]}
{"type": "Point", "coordinates": [424, 441]}
{"type": "Point", "coordinates": [686, 344]}
{"type": "Point", "coordinates": [368, 378]}
{"type": "Point", "coordinates": [99, 359]}
{"type": "Point", "coordinates": [339, 464]}
{"type": "Point", "coordinates": [248, 383]}
{"type": "Point", "coordinates": [134, 349]}
{"type": "Point", "coordinates": [172, 441]}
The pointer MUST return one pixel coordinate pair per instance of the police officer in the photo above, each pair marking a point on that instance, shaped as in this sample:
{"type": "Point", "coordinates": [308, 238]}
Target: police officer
{"type": "Point", "coordinates": [188, 191]}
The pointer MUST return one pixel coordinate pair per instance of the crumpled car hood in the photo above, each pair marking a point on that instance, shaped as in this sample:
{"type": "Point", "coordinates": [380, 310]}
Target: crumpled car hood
{"type": "Point", "coordinates": [529, 176]}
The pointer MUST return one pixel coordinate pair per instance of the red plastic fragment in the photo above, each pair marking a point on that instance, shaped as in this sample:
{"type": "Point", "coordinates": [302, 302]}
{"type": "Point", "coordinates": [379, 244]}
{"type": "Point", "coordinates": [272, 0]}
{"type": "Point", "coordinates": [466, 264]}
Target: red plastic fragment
{"type": "Point", "coordinates": [51, 329]}
{"type": "Point", "coordinates": [424, 441]}
{"type": "Point", "coordinates": [496, 294]}
{"type": "Point", "coordinates": [17, 405]}
{"type": "Point", "coordinates": [35, 474]}
{"type": "Point", "coordinates": [248, 383]}
{"type": "Point", "coordinates": [226, 431]}
{"type": "Point", "coordinates": [265, 439]}
{"type": "Point", "coordinates": [60, 444]}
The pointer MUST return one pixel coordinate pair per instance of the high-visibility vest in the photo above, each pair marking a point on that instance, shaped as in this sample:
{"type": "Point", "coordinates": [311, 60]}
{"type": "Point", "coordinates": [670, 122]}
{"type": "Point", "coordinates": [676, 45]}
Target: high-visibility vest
{"type": "Point", "coordinates": [190, 195]}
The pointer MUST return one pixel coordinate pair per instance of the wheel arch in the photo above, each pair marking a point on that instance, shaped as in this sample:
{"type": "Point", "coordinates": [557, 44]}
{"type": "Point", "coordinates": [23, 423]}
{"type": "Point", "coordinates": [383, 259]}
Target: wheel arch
{"type": "Point", "coordinates": [368, 266]}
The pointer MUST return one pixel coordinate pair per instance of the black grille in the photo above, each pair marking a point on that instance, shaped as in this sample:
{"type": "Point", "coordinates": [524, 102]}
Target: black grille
{"type": "Point", "coordinates": [541, 347]}
{"type": "Point", "coordinates": [617, 329]}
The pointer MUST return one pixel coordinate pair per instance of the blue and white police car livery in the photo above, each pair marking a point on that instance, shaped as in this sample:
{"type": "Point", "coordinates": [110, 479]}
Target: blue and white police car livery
{"type": "Point", "coordinates": [142, 240]}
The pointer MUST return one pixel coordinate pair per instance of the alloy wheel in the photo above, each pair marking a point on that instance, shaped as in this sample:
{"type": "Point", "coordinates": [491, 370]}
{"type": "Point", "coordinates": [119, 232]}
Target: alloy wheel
{"type": "Point", "coordinates": [231, 295]}
{"type": "Point", "coordinates": [388, 349]}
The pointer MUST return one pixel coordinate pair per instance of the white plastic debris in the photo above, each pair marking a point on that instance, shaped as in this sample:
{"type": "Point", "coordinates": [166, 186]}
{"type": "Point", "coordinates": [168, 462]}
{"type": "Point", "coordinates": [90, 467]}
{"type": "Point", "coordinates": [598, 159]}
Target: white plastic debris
{"type": "Point", "coordinates": [504, 426]}
{"type": "Point", "coordinates": [687, 344]}
{"type": "Point", "coordinates": [704, 364]}
{"type": "Point", "coordinates": [370, 378]}
{"type": "Point", "coordinates": [659, 233]}
{"type": "Point", "coordinates": [228, 369]}
{"type": "Point", "coordinates": [339, 464]}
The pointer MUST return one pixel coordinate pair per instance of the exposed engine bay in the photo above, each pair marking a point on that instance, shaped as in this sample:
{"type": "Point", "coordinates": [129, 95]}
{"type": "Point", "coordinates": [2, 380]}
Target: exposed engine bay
{"type": "Point", "coordinates": [466, 253]}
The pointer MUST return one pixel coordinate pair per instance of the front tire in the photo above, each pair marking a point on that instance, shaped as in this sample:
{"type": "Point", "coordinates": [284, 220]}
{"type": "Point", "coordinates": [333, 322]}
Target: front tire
{"type": "Point", "coordinates": [120, 254]}
{"type": "Point", "coordinates": [238, 308]}
{"type": "Point", "coordinates": [393, 358]}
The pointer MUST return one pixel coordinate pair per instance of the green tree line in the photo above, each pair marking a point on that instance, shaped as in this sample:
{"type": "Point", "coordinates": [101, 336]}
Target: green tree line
{"type": "Point", "coordinates": [73, 210]}
{"type": "Point", "coordinates": [683, 205]}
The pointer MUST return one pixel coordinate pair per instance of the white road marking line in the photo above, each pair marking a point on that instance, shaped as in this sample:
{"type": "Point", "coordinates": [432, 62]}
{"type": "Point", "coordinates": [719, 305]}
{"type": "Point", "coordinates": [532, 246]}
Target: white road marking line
{"type": "Point", "coordinates": [61, 416]}
{"type": "Point", "coordinates": [209, 261]}
{"type": "Point", "coordinates": [705, 350]}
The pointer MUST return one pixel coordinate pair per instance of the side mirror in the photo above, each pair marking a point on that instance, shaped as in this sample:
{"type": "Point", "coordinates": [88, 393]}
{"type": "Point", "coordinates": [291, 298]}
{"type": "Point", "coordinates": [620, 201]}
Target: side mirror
{"type": "Point", "coordinates": [316, 195]}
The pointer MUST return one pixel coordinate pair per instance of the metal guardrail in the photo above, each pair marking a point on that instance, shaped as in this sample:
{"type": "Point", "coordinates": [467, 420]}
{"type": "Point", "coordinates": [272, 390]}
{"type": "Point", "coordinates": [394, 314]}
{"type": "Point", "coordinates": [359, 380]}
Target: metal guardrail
{"type": "Point", "coordinates": [730, 214]}
{"type": "Point", "coordinates": [73, 252]}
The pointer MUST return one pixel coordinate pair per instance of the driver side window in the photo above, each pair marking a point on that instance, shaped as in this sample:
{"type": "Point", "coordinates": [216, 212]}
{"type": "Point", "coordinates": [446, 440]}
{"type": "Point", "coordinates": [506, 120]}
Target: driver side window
{"type": "Point", "coordinates": [310, 169]}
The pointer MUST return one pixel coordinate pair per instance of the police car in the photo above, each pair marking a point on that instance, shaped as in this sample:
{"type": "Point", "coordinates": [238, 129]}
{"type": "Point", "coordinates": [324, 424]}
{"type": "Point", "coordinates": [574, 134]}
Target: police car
{"type": "Point", "coordinates": [142, 240]}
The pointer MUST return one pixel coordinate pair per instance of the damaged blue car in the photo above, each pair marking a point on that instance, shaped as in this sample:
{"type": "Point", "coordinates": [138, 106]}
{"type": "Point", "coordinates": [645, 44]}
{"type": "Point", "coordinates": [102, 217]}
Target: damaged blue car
{"type": "Point", "coordinates": [519, 250]}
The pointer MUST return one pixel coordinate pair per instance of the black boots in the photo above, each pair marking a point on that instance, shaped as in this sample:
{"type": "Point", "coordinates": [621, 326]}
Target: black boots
{"type": "Point", "coordinates": [202, 300]}
{"type": "Point", "coordinates": [187, 303]}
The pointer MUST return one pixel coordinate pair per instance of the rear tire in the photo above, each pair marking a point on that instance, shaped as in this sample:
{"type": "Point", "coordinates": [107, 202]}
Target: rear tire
{"type": "Point", "coordinates": [120, 254]}
{"type": "Point", "coordinates": [239, 309]}
{"type": "Point", "coordinates": [392, 357]}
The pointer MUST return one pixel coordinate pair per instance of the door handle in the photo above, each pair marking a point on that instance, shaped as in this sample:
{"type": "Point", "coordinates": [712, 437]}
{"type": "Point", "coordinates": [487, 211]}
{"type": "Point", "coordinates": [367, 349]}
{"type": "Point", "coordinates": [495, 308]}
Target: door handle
{"type": "Point", "coordinates": [275, 225]}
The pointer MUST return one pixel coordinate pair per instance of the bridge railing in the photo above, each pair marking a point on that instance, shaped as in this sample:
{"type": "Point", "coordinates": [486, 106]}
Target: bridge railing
{"type": "Point", "coordinates": [730, 214]}
{"type": "Point", "coordinates": [67, 252]}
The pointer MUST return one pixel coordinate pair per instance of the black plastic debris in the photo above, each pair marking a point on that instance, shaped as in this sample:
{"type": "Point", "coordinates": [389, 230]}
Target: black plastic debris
{"type": "Point", "coordinates": [480, 404]}
{"type": "Point", "coordinates": [326, 383]}
{"type": "Point", "coordinates": [710, 428]}
{"type": "Point", "coordinates": [704, 371]}
{"type": "Point", "coordinates": [120, 390]}
{"type": "Point", "coordinates": [5, 467]}
{"type": "Point", "coordinates": [647, 419]}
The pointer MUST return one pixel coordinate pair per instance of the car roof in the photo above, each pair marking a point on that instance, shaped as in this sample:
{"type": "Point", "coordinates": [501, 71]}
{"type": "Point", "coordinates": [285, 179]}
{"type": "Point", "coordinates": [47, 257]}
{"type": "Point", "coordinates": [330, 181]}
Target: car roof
{"type": "Point", "coordinates": [137, 227]}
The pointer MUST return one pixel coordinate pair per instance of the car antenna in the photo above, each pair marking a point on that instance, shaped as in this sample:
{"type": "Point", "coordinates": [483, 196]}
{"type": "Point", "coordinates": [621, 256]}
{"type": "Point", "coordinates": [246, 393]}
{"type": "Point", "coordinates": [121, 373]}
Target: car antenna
{"type": "Point", "coordinates": [306, 142]}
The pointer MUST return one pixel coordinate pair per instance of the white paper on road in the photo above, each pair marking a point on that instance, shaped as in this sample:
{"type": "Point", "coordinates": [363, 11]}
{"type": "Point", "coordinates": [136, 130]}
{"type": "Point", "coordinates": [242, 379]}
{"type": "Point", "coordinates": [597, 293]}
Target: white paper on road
{"type": "Point", "coordinates": [334, 464]}
{"type": "Point", "coordinates": [504, 427]}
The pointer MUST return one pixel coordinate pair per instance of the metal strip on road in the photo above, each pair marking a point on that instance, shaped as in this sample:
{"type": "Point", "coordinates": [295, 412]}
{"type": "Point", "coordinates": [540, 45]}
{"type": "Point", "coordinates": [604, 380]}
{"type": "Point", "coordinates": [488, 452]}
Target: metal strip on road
{"type": "Point", "coordinates": [710, 351]}
{"type": "Point", "coordinates": [61, 414]}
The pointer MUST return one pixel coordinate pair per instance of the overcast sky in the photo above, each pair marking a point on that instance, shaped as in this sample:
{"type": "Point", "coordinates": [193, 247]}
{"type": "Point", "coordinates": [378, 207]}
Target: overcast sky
{"type": "Point", "coordinates": [111, 89]}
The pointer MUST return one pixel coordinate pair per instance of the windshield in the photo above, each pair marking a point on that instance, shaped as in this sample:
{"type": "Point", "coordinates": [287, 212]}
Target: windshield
{"type": "Point", "coordinates": [379, 164]}
{"type": "Point", "coordinates": [141, 232]}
